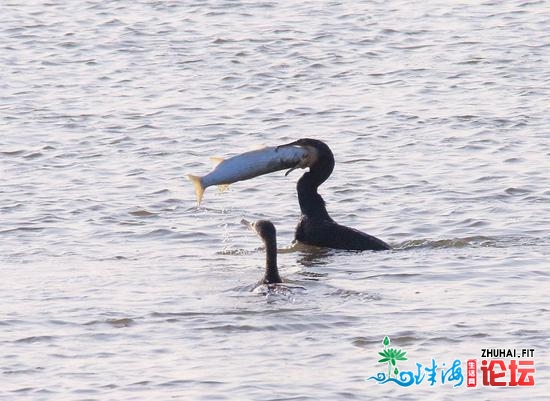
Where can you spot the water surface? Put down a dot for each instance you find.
(116, 286)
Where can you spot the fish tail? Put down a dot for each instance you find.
(199, 189)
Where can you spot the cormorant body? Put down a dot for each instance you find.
(316, 227)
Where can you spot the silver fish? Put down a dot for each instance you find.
(249, 165)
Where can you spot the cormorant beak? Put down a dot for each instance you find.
(290, 170)
(306, 162)
(248, 224)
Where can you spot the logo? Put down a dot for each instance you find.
(497, 368)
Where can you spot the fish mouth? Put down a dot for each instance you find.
(311, 154)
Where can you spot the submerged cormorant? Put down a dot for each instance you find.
(266, 230)
(316, 227)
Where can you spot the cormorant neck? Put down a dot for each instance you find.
(312, 204)
(271, 272)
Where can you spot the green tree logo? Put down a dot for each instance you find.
(391, 355)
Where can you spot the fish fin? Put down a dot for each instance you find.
(223, 187)
(199, 189)
(217, 160)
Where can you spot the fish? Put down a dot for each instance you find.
(250, 164)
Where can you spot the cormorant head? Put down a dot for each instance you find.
(320, 158)
(265, 229)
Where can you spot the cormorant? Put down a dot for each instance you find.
(266, 230)
(316, 227)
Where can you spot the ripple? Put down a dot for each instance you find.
(36, 339)
(476, 241)
(347, 294)
(114, 322)
(167, 233)
(23, 371)
(517, 191)
(119, 323)
(143, 213)
(293, 327)
(22, 229)
(12, 152)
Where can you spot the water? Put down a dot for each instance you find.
(116, 287)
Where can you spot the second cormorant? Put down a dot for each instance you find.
(316, 227)
(266, 231)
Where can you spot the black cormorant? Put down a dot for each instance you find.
(316, 227)
(266, 230)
